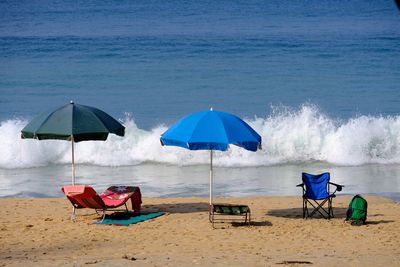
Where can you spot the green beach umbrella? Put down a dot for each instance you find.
(75, 123)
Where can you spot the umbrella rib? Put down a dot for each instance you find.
(196, 127)
(225, 131)
(247, 129)
(99, 118)
(45, 121)
(194, 130)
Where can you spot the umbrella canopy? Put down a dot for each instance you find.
(74, 123)
(211, 130)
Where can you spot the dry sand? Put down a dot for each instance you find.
(38, 232)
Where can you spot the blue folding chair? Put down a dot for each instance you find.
(317, 193)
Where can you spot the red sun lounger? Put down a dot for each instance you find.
(84, 196)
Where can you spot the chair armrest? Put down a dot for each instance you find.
(300, 185)
(339, 187)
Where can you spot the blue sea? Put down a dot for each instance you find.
(318, 80)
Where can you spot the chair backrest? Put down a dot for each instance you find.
(83, 196)
(316, 185)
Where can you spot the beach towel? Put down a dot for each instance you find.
(126, 219)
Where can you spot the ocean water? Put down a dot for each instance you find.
(319, 80)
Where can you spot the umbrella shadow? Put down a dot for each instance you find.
(379, 222)
(297, 213)
(235, 224)
(252, 223)
(373, 222)
(177, 207)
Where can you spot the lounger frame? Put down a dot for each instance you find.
(101, 212)
(221, 217)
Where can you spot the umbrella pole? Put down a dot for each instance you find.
(211, 175)
(73, 160)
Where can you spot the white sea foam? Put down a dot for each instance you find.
(289, 136)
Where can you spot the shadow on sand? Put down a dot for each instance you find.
(373, 222)
(177, 207)
(227, 224)
(297, 213)
(252, 223)
(378, 222)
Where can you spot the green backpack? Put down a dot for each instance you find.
(357, 211)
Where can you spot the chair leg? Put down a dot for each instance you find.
(326, 213)
(210, 214)
(319, 207)
(104, 215)
(330, 208)
(73, 214)
(306, 214)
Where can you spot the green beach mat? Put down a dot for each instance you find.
(126, 220)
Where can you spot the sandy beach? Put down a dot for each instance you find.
(39, 232)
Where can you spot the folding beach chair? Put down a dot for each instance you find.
(317, 193)
(84, 196)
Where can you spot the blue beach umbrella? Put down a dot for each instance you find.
(211, 130)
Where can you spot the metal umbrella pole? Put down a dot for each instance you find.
(73, 160)
(211, 175)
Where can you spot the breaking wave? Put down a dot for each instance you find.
(289, 136)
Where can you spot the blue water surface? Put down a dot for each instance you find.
(160, 60)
